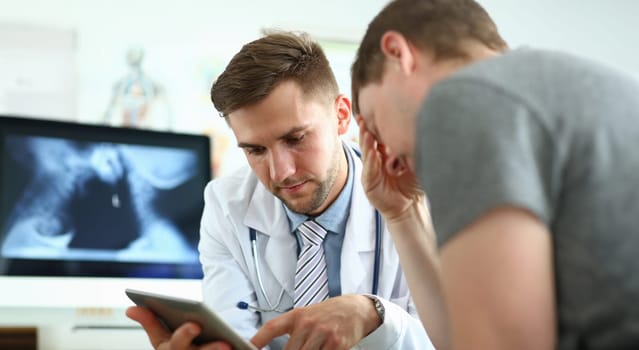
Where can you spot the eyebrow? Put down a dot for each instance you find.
(285, 136)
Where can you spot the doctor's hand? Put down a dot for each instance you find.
(162, 339)
(389, 182)
(337, 323)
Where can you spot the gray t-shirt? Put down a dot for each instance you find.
(558, 136)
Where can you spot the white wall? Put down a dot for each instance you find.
(603, 30)
(179, 35)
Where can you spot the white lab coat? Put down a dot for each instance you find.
(239, 201)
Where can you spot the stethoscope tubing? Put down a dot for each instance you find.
(274, 306)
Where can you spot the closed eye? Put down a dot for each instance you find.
(294, 140)
(254, 151)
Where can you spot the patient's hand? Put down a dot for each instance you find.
(390, 184)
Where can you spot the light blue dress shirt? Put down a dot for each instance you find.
(333, 220)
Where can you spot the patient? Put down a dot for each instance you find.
(529, 160)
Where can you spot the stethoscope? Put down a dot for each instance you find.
(274, 307)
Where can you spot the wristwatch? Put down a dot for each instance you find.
(379, 307)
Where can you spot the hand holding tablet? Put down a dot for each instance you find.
(174, 312)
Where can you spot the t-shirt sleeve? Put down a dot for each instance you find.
(479, 148)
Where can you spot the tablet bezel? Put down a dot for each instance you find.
(174, 312)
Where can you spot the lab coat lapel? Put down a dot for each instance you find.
(359, 238)
(267, 216)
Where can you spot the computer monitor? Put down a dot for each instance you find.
(100, 203)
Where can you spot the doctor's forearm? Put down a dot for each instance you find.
(416, 244)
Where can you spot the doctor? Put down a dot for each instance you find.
(280, 98)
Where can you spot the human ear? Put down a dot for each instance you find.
(397, 52)
(343, 111)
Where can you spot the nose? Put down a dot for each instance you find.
(281, 165)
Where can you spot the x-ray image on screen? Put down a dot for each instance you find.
(98, 201)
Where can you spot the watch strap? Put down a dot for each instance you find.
(379, 306)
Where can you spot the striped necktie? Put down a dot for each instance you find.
(311, 276)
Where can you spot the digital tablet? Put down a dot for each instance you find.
(173, 312)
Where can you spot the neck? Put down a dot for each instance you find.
(475, 51)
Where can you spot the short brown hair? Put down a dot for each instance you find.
(440, 26)
(264, 63)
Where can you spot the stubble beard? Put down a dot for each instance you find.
(319, 196)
